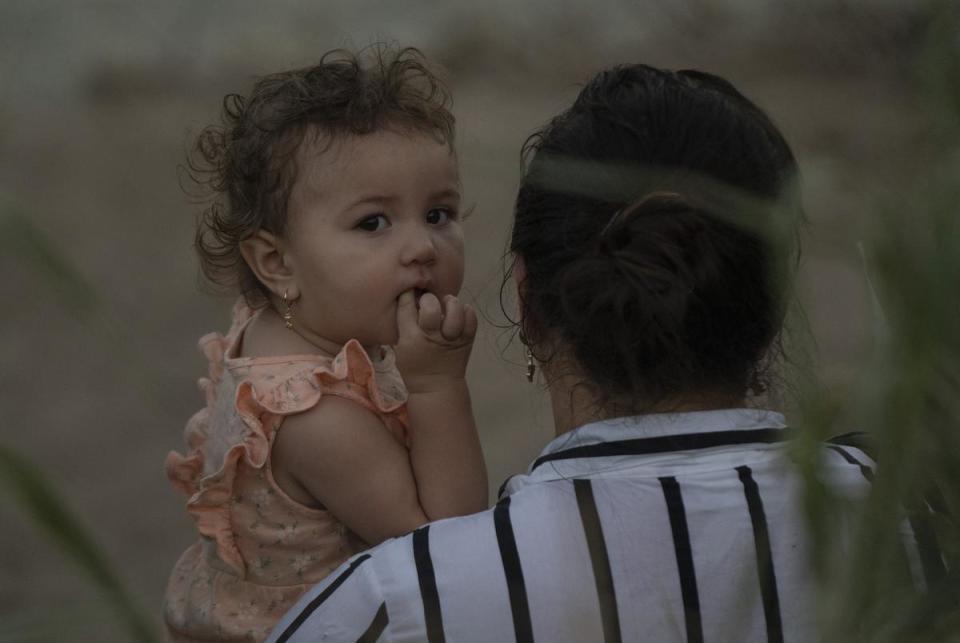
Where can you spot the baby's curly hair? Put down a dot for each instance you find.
(247, 162)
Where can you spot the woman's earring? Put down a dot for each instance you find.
(756, 386)
(287, 311)
(531, 365)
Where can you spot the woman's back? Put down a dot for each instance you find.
(679, 527)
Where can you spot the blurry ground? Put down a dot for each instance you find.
(99, 101)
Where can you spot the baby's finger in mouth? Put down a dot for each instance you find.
(431, 315)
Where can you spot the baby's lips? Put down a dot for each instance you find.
(418, 293)
(407, 297)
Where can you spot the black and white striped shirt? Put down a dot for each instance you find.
(672, 527)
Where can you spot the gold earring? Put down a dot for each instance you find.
(287, 311)
(528, 353)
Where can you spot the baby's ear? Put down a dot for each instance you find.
(264, 253)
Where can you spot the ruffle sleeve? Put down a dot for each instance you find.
(350, 374)
(244, 409)
(185, 471)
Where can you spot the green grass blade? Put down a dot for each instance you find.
(20, 237)
(42, 505)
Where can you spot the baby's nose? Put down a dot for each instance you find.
(419, 248)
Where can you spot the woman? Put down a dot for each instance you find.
(650, 270)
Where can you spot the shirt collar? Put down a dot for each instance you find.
(650, 434)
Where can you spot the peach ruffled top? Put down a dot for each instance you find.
(259, 550)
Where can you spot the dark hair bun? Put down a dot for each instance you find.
(638, 284)
(674, 293)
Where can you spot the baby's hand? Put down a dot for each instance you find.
(434, 341)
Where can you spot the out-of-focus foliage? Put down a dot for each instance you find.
(909, 400)
(22, 239)
(41, 504)
(30, 490)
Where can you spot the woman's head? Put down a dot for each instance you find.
(645, 227)
(250, 161)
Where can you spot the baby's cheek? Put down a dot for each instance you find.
(453, 274)
(452, 282)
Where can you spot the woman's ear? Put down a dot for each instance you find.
(519, 274)
(264, 252)
(520, 280)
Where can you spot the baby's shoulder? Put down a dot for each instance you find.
(333, 416)
(289, 385)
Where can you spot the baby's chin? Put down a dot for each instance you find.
(374, 341)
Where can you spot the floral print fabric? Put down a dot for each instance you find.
(259, 550)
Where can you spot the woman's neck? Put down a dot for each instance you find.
(575, 404)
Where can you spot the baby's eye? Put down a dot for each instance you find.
(373, 223)
(439, 216)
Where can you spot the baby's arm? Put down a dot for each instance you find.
(432, 355)
(340, 455)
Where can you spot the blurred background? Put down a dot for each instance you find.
(102, 303)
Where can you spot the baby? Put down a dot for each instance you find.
(337, 412)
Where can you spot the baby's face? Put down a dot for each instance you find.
(371, 217)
